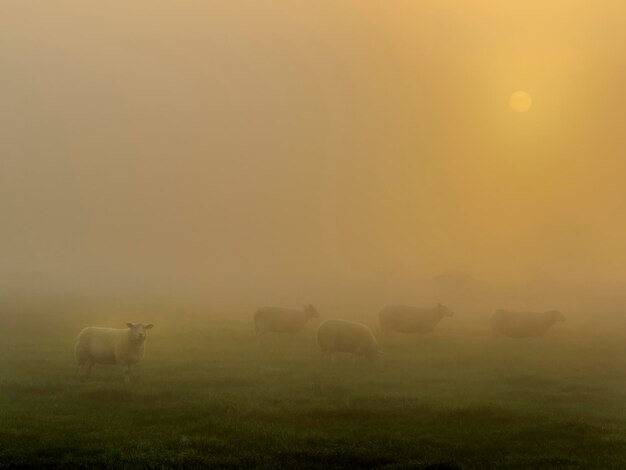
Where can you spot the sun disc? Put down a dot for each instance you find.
(520, 101)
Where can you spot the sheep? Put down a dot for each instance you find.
(406, 319)
(524, 324)
(347, 336)
(283, 320)
(96, 345)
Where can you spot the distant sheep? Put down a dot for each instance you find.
(404, 319)
(347, 336)
(283, 320)
(124, 347)
(524, 324)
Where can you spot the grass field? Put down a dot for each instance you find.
(207, 395)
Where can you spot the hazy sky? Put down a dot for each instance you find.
(208, 139)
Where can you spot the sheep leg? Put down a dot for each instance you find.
(79, 369)
(87, 368)
(259, 337)
(84, 369)
(323, 357)
(127, 373)
(81, 360)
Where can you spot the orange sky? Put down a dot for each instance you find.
(281, 138)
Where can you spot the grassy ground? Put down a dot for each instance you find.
(207, 395)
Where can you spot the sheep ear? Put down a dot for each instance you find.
(129, 325)
(149, 326)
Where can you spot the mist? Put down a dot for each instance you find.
(304, 151)
(313, 234)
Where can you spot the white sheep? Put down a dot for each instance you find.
(524, 324)
(347, 336)
(404, 319)
(283, 320)
(124, 347)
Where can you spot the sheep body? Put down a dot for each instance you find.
(347, 336)
(283, 320)
(124, 347)
(405, 319)
(517, 324)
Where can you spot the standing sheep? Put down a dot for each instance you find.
(110, 346)
(347, 336)
(524, 324)
(283, 320)
(404, 319)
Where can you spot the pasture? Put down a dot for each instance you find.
(207, 395)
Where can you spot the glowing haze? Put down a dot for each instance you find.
(240, 142)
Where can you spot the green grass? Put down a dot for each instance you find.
(208, 396)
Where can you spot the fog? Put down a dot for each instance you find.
(294, 152)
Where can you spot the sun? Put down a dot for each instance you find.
(520, 101)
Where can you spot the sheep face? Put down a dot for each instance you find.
(445, 311)
(311, 312)
(138, 331)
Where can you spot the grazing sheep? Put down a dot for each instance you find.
(524, 324)
(347, 336)
(404, 319)
(110, 346)
(283, 320)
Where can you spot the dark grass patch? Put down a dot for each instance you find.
(330, 390)
(530, 381)
(576, 430)
(420, 465)
(31, 388)
(226, 382)
(128, 395)
(582, 389)
(107, 395)
(490, 415)
(336, 458)
(348, 413)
